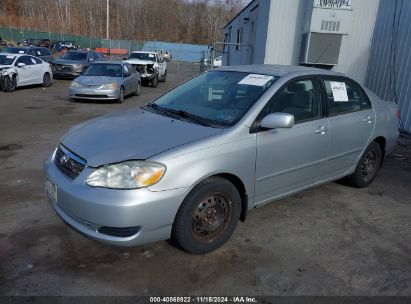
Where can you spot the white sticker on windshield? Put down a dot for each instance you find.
(10, 57)
(256, 80)
(339, 91)
(150, 55)
(21, 52)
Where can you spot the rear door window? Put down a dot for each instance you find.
(343, 96)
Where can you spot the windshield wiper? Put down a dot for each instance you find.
(160, 109)
(192, 117)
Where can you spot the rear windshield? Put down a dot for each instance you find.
(74, 56)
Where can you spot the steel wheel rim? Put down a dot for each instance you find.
(211, 217)
(369, 165)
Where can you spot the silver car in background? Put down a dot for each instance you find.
(110, 80)
(189, 165)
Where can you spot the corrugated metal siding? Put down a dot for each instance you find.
(355, 47)
(285, 27)
(389, 78)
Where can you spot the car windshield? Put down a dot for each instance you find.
(111, 70)
(142, 56)
(218, 97)
(14, 50)
(75, 56)
(7, 59)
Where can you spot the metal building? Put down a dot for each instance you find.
(368, 40)
(389, 66)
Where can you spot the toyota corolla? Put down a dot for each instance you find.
(188, 165)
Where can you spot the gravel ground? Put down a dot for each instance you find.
(332, 240)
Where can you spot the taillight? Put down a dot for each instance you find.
(398, 114)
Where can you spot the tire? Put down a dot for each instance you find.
(154, 82)
(138, 91)
(163, 79)
(207, 217)
(121, 96)
(367, 168)
(46, 80)
(10, 84)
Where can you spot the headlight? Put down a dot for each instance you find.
(109, 86)
(127, 175)
(75, 84)
(78, 67)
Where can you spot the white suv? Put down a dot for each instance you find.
(150, 65)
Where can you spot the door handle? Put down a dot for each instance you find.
(321, 130)
(368, 119)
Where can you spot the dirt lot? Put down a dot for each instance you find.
(332, 240)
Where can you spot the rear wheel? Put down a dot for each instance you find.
(46, 80)
(208, 216)
(10, 84)
(367, 168)
(121, 95)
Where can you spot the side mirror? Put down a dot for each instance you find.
(21, 64)
(125, 58)
(126, 75)
(277, 120)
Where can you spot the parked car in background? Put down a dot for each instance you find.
(110, 80)
(72, 63)
(218, 61)
(188, 165)
(18, 70)
(40, 52)
(150, 65)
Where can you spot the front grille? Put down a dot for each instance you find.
(119, 232)
(63, 67)
(92, 96)
(142, 69)
(69, 163)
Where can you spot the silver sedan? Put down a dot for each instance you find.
(189, 165)
(106, 81)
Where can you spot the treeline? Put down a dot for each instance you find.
(190, 21)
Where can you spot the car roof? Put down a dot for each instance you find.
(144, 52)
(276, 70)
(108, 62)
(15, 55)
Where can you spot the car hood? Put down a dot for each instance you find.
(5, 66)
(96, 80)
(68, 62)
(136, 134)
(138, 61)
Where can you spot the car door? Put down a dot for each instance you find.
(127, 80)
(25, 73)
(161, 66)
(134, 77)
(352, 120)
(293, 158)
(39, 68)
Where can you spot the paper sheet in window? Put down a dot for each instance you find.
(256, 80)
(339, 91)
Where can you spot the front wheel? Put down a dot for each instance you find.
(207, 217)
(138, 90)
(367, 167)
(10, 84)
(154, 82)
(121, 96)
(163, 79)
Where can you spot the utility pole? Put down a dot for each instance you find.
(108, 20)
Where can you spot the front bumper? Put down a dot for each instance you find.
(88, 209)
(65, 74)
(87, 93)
